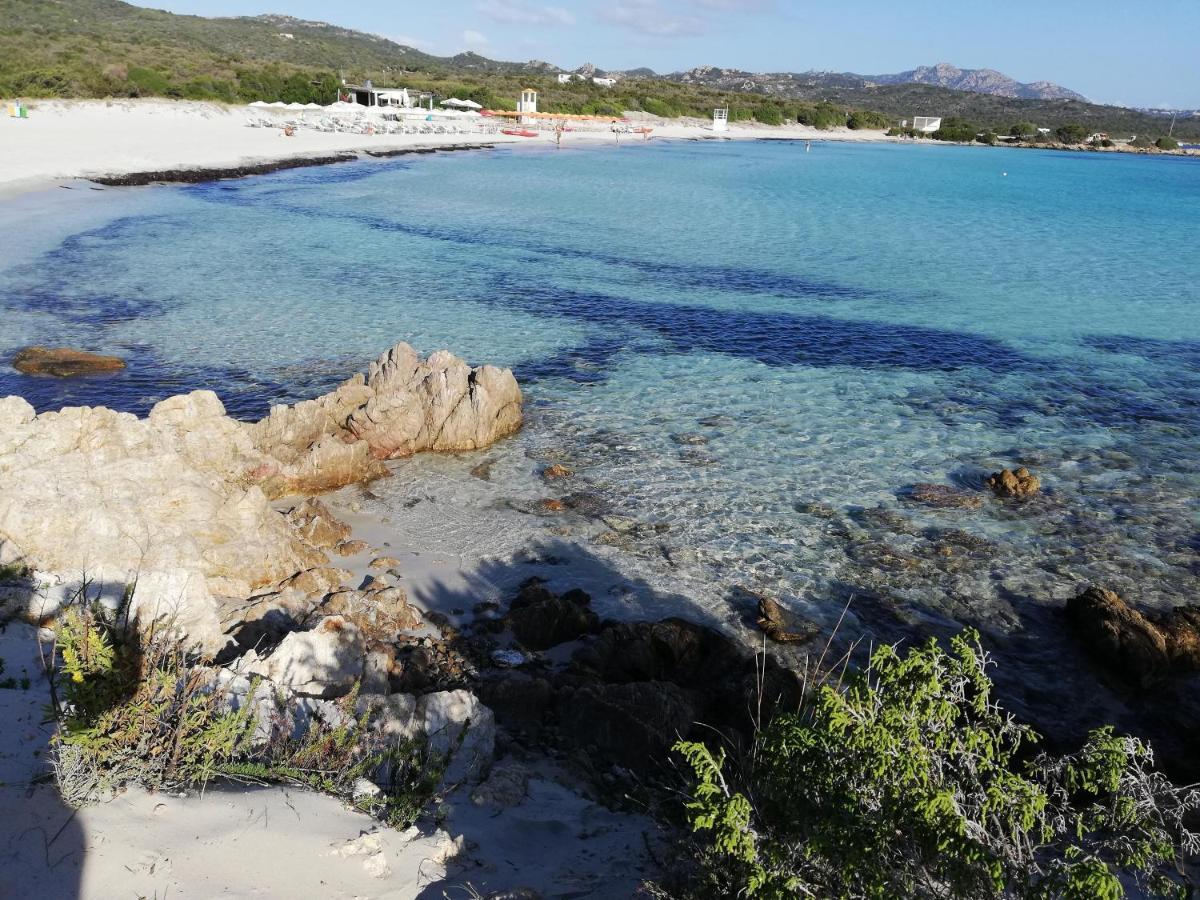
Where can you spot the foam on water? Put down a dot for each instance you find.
(746, 349)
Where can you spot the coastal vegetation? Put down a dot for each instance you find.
(107, 48)
(907, 779)
(136, 706)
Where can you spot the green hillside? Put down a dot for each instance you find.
(107, 48)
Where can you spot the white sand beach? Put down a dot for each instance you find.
(73, 139)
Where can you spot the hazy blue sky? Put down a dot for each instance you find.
(1135, 53)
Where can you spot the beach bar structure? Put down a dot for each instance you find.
(367, 94)
(721, 119)
(927, 124)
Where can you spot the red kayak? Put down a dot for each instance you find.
(519, 132)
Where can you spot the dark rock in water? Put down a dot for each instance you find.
(690, 439)
(1181, 630)
(885, 519)
(483, 471)
(633, 724)
(953, 537)
(541, 620)
(63, 362)
(1119, 636)
(550, 505)
(774, 624)
(694, 456)
(587, 503)
(1019, 484)
(814, 509)
(717, 421)
(558, 470)
(942, 496)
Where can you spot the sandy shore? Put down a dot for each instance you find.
(64, 140)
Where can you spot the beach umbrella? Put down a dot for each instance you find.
(312, 106)
(454, 101)
(469, 104)
(260, 103)
(278, 104)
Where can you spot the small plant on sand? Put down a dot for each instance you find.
(135, 707)
(908, 780)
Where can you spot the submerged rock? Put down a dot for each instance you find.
(942, 496)
(63, 362)
(1021, 483)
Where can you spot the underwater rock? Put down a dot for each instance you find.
(1021, 483)
(942, 496)
(63, 362)
(541, 620)
(558, 470)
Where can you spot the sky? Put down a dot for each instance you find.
(1143, 53)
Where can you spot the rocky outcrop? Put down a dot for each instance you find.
(178, 502)
(63, 362)
(1140, 648)
(1019, 484)
(404, 405)
(540, 619)
(774, 624)
(324, 662)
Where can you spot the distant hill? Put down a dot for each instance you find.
(101, 48)
(944, 75)
(978, 81)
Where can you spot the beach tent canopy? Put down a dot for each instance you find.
(470, 104)
(453, 101)
(278, 104)
(312, 106)
(260, 103)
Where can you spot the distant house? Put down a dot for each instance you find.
(605, 82)
(927, 124)
(1097, 138)
(285, 36)
(565, 77)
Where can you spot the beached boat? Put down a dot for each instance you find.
(518, 132)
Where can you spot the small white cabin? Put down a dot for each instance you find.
(927, 124)
(605, 82)
(721, 119)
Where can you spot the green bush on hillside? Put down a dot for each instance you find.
(989, 137)
(1141, 143)
(824, 116)
(1023, 130)
(908, 780)
(866, 119)
(1167, 143)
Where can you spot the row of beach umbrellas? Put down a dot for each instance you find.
(279, 104)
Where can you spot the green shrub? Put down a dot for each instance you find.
(660, 108)
(1167, 143)
(909, 781)
(149, 82)
(824, 115)
(768, 115)
(1071, 134)
(955, 129)
(1023, 130)
(1141, 143)
(989, 137)
(862, 118)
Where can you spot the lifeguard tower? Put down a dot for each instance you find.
(721, 119)
(527, 103)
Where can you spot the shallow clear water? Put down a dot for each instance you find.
(752, 347)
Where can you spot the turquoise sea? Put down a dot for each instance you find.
(748, 350)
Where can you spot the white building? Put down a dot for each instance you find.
(605, 82)
(565, 77)
(721, 119)
(927, 124)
